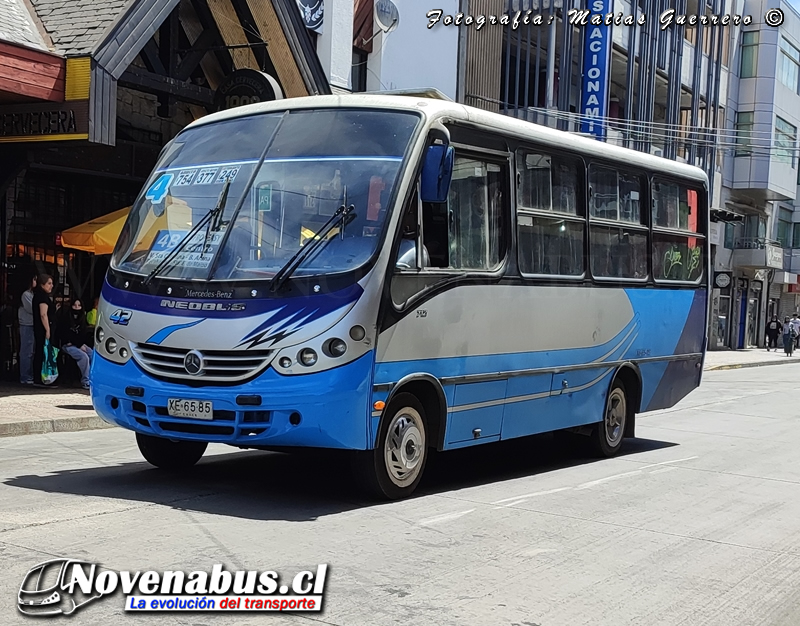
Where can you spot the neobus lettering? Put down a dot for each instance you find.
(202, 306)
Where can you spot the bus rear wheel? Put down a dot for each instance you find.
(393, 469)
(170, 455)
(608, 435)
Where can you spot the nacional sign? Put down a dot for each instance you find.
(246, 87)
(596, 61)
(44, 122)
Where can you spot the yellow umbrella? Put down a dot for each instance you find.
(98, 235)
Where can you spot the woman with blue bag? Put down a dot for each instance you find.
(44, 320)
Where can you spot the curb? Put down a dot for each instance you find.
(58, 425)
(736, 366)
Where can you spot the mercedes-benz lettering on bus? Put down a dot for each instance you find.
(392, 275)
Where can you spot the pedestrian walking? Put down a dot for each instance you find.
(44, 323)
(72, 333)
(788, 336)
(773, 331)
(26, 339)
(795, 322)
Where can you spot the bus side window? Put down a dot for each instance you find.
(475, 209)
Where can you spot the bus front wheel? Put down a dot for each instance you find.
(608, 434)
(393, 469)
(170, 455)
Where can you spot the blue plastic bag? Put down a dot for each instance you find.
(49, 365)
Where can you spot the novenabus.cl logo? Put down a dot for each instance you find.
(61, 586)
(49, 588)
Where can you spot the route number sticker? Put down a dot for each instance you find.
(185, 178)
(205, 176)
(158, 190)
(227, 173)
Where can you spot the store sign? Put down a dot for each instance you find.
(774, 256)
(312, 12)
(596, 61)
(246, 87)
(45, 122)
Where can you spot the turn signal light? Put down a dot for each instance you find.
(379, 405)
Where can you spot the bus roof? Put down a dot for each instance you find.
(503, 124)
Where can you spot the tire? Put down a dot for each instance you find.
(608, 435)
(393, 469)
(170, 455)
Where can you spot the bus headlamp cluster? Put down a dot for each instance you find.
(110, 345)
(334, 348)
(323, 353)
(307, 357)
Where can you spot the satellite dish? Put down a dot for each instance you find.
(387, 17)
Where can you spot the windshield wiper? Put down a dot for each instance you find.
(318, 240)
(214, 215)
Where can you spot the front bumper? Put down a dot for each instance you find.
(333, 406)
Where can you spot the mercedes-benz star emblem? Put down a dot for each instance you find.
(193, 363)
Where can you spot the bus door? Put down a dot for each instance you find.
(449, 263)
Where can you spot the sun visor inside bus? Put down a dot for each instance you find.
(436, 173)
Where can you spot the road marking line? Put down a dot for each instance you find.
(661, 470)
(532, 495)
(444, 518)
(600, 481)
(688, 458)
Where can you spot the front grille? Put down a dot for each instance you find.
(218, 365)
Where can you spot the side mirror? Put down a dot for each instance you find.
(437, 171)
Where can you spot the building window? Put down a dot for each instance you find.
(359, 74)
(789, 66)
(549, 224)
(784, 227)
(785, 140)
(795, 235)
(744, 132)
(726, 45)
(732, 233)
(749, 54)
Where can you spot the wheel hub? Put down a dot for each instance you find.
(405, 446)
(615, 417)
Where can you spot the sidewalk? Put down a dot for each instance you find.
(752, 357)
(26, 410)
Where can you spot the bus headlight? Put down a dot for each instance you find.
(335, 347)
(357, 333)
(111, 345)
(99, 335)
(285, 362)
(307, 357)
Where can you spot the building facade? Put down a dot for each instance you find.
(109, 84)
(757, 258)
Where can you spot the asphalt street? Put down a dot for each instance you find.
(697, 523)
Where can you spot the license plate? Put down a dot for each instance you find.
(195, 409)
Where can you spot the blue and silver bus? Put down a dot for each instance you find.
(395, 275)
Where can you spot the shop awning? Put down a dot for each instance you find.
(98, 235)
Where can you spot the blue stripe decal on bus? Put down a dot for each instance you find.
(162, 334)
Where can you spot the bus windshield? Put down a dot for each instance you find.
(274, 201)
